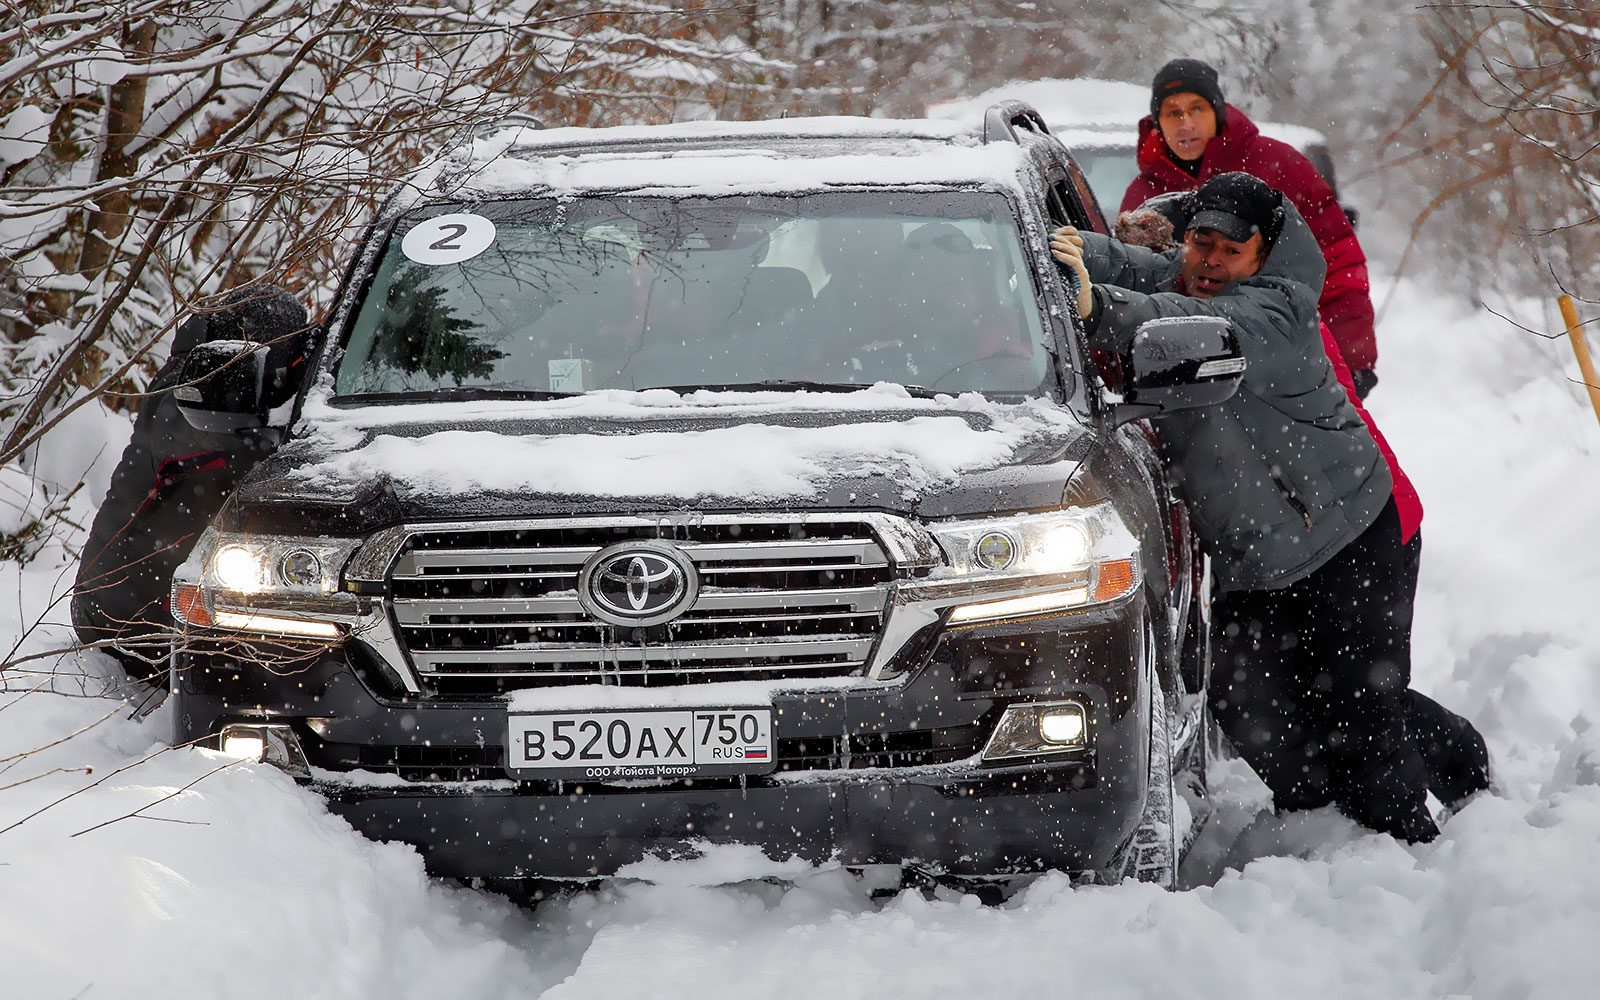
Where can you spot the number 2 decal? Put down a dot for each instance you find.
(448, 239)
(448, 242)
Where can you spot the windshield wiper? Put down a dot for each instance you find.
(453, 394)
(796, 385)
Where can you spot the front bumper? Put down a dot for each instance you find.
(867, 775)
(964, 824)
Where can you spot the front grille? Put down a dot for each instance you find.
(432, 764)
(486, 610)
(864, 750)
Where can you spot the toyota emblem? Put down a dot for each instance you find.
(638, 583)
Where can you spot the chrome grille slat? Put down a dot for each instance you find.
(547, 623)
(711, 571)
(861, 555)
(413, 611)
(674, 653)
(663, 676)
(414, 562)
(482, 603)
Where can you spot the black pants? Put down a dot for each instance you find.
(1311, 683)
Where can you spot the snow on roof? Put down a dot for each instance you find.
(749, 171)
(819, 126)
(804, 154)
(1063, 103)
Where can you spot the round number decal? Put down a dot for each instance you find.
(448, 239)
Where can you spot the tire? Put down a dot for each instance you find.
(1152, 853)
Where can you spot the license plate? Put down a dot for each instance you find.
(682, 743)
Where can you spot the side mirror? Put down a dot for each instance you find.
(1179, 363)
(221, 385)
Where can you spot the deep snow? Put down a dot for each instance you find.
(236, 883)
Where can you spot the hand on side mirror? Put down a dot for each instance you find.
(1179, 363)
(220, 386)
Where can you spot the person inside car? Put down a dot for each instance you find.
(1291, 497)
(1193, 135)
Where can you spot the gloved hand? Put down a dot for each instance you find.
(1364, 380)
(1067, 247)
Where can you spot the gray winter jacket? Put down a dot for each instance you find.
(1285, 474)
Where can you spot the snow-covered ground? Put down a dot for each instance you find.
(129, 871)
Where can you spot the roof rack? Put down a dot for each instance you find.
(470, 133)
(1001, 121)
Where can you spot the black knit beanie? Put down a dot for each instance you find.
(1187, 76)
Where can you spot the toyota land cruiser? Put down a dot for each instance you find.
(656, 487)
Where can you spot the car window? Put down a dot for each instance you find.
(1108, 170)
(1088, 197)
(634, 293)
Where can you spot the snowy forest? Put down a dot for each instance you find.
(157, 155)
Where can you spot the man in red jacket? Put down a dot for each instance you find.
(1193, 135)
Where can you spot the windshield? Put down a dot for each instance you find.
(540, 296)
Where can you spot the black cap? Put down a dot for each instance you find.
(1187, 76)
(1238, 206)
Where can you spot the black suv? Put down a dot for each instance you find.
(717, 482)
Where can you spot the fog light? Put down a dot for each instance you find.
(1062, 725)
(243, 743)
(1035, 728)
(274, 744)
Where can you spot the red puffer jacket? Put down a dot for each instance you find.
(1346, 304)
(1406, 499)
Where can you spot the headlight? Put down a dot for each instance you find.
(1031, 564)
(1063, 541)
(229, 579)
(264, 564)
(1034, 544)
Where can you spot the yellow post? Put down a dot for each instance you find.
(1569, 312)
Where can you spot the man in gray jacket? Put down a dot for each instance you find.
(1293, 501)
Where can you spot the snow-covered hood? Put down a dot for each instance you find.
(879, 449)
